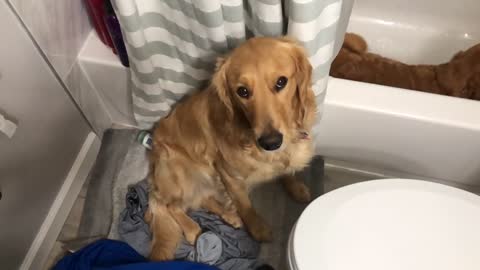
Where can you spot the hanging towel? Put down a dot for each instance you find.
(7, 127)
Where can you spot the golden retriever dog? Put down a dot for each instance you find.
(460, 77)
(249, 126)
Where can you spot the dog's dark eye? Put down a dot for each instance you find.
(281, 82)
(243, 92)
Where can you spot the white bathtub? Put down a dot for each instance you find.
(397, 131)
(369, 127)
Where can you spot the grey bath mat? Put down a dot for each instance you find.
(98, 211)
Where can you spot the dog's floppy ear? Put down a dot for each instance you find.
(219, 83)
(303, 77)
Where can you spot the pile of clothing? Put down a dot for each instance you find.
(220, 244)
(116, 255)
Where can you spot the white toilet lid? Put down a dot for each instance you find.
(393, 224)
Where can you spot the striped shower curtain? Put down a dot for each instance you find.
(172, 44)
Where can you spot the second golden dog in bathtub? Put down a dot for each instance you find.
(247, 127)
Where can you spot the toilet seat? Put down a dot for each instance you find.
(393, 224)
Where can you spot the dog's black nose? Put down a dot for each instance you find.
(271, 141)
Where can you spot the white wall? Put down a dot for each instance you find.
(60, 29)
(35, 162)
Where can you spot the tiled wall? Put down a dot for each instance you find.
(60, 27)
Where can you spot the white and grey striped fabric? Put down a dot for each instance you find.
(172, 44)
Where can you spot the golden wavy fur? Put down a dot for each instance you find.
(249, 126)
(460, 77)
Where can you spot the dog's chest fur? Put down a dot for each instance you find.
(255, 167)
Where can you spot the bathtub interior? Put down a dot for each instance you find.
(419, 32)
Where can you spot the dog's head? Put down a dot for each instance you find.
(459, 76)
(267, 82)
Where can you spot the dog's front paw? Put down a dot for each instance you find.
(297, 189)
(233, 219)
(192, 234)
(300, 193)
(259, 229)
(161, 253)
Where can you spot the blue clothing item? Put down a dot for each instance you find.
(115, 255)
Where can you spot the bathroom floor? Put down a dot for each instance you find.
(287, 211)
(69, 230)
(117, 160)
